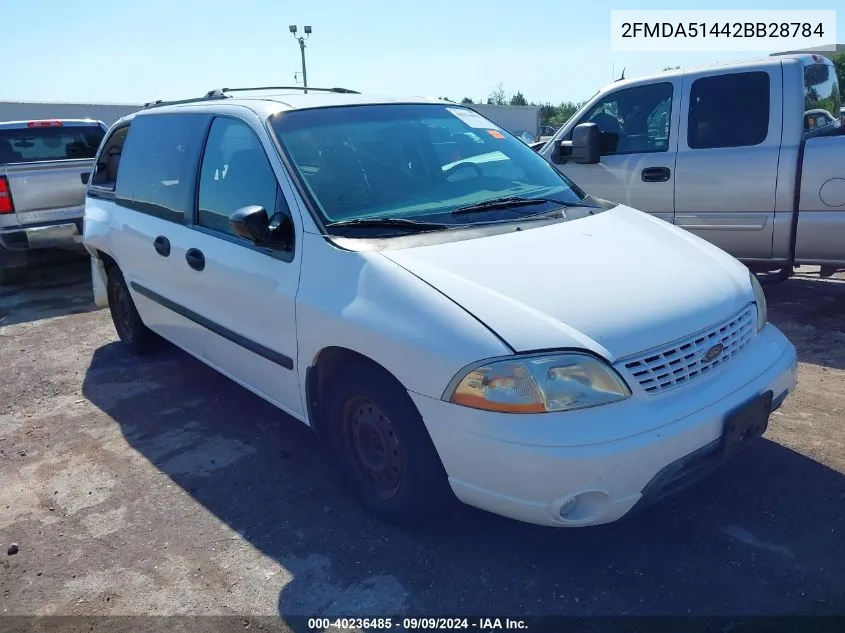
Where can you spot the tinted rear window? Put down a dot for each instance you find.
(49, 143)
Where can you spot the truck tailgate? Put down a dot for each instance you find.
(47, 191)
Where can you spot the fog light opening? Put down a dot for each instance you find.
(567, 507)
(583, 507)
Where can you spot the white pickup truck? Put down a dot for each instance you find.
(726, 152)
(43, 170)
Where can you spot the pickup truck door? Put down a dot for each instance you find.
(727, 162)
(639, 141)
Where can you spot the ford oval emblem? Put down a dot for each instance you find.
(713, 353)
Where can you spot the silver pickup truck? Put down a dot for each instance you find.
(43, 166)
(735, 153)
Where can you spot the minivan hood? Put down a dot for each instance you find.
(617, 283)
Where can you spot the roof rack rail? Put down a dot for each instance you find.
(162, 102)
(221, 92)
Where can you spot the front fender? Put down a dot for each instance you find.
(368, 304)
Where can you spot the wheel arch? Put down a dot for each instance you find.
(325, 368)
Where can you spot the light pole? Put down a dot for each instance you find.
(301, 40)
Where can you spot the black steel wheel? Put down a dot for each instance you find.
(383, 448)
(127, 322)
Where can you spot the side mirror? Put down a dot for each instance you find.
(85, 177)
(586, 144)
(252, 223)
(584, 148)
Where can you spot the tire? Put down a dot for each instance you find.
(11, 276)
(383, 450)
(127, 322)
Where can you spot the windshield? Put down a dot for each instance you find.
(410, 161)
(31, 144)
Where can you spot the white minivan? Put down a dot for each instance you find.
(449, 313)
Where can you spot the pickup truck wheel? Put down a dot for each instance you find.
(383, 449)
(776, 276)
(131, 330)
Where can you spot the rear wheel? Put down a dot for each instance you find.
(131, 330)
(382, 446)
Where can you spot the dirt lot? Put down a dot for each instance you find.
(160, 487)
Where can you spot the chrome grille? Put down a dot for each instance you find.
(665, 368)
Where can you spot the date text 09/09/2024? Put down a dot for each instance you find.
(725, 29)
(413, 624)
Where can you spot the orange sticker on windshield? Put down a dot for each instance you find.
(495, 134)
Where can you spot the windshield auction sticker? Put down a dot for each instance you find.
(473, 119)
(698, 31)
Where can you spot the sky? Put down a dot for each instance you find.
(134, 51)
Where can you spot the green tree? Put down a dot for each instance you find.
(839, 63)
(518, 99)
(547, 112)
(564, 112)
(665, 68)
(467, 100)
(446, 99)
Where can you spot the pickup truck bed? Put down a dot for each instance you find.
(41, 189)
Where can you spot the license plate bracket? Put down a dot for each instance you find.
(746, 423)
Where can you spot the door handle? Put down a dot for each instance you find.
(195, 259)
(162, 246)
(656, 174)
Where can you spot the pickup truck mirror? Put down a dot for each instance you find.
(85, 176)
(253, 223)
(584, 148)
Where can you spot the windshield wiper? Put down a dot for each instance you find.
(388, 223)
(508, 202)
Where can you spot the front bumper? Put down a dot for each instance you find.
(598, 463)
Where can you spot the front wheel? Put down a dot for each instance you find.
(383, 448)
(127, 322)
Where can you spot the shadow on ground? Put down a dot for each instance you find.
(812, 314)
(56, 286)
(764, 535)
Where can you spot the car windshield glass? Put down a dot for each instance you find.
(31, 144)
(414, 161)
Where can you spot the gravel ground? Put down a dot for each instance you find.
(159, 487)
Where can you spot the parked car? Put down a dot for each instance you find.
(524, 136)
(449, 313)
(726, 153)
(42, 195)
(819, 119)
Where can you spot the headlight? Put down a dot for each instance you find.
(760, 300)
(537, 384)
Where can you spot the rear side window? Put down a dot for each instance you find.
(729, 111)
(108, 162)
(63, 142)
(159, 163)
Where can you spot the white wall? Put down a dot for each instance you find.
(511, 118)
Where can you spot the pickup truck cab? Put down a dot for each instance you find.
(42, 193)
(447, 311)
(735, 153)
